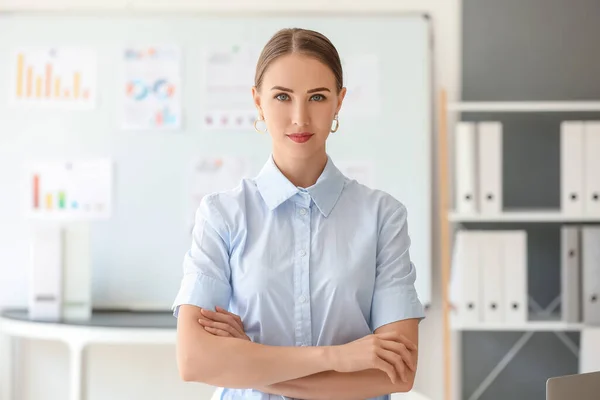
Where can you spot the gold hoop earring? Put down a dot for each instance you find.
(337, 124)
(258, 130)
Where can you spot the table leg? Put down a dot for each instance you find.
(6, 367)
(77, 383)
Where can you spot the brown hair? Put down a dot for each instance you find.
(303, 41)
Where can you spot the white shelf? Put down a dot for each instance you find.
(525, 106)
(522, 216)
(549, 326)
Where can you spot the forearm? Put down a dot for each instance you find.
(331, 385)
(236, 363)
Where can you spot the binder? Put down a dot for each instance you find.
(490, 167)
(591, 183)
(514, 248)
(465, 168)
(589, 353)
(45, 290)
(571, 167)
(570, 275)
(591, 274)
(465, 290)
(491, 267)
(77, 279)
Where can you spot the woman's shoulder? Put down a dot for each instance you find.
(231, 200)
(382, 201)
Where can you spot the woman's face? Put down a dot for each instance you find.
(298, 100)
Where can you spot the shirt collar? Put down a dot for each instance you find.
(275, 188)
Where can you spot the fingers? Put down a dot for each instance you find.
(394, 360)
(234, 316)
(217, 332)
(224, 318)
(396, 337)
(221, 326)
(387, 368)
(400, 349)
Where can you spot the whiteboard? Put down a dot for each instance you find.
(138, 252)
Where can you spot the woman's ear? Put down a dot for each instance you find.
(341, 97)
(256, 98)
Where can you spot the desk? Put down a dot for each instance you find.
(104, 327)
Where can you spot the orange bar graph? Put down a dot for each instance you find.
(48, 80)
(36, 191)
(38, 87)
(76, 84)
(20, 74)
(57, 87)
(29, 81)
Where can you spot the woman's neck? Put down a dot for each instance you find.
(302, 172)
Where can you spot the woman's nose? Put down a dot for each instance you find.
(300, 117)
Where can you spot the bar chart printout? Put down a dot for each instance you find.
(54, 78)
(65, 190)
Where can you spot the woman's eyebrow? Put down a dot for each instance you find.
(284, 89)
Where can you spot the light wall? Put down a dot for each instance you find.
(146, 372)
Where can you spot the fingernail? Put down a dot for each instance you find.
(201, 322)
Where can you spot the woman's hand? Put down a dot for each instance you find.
(389, 352)
(223, 323)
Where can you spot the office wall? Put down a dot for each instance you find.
(149, 373)
(534, 50)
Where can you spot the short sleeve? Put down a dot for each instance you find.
(206, 272)
(395, 297)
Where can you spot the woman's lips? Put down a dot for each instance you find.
(300, 137)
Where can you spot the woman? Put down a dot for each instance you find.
(315, 265)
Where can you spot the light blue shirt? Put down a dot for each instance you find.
(319, 266)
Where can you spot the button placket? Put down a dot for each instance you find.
(301, 271)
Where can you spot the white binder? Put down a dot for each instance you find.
(591, 183)
(589, 355)
(489, 140)
(77, 269)
(465, 291)
(45, 289)
(571, 167)
(465, 168)
(591, 274)
(570, 275)
(492, 275)
(514, 248)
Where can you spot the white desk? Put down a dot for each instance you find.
(108, 327)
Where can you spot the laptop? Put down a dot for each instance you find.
(574, 387)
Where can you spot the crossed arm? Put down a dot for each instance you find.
(365, 384)
(294, 372)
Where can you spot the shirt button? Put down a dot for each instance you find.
(302, 253)
(302, 299)
(303, 211)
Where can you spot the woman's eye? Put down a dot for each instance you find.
(318, 97)
(282, 97)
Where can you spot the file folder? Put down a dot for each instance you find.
(514, 247)
(465, 291)
(490, 166)
(465, 168)
(492, 260)
(591, 274)
(570, 275)
(591, 183)
(571, 167)
(45, 290)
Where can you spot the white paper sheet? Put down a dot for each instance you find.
(54, 77)
(227, 88)
(152, 88)
(68, 190)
